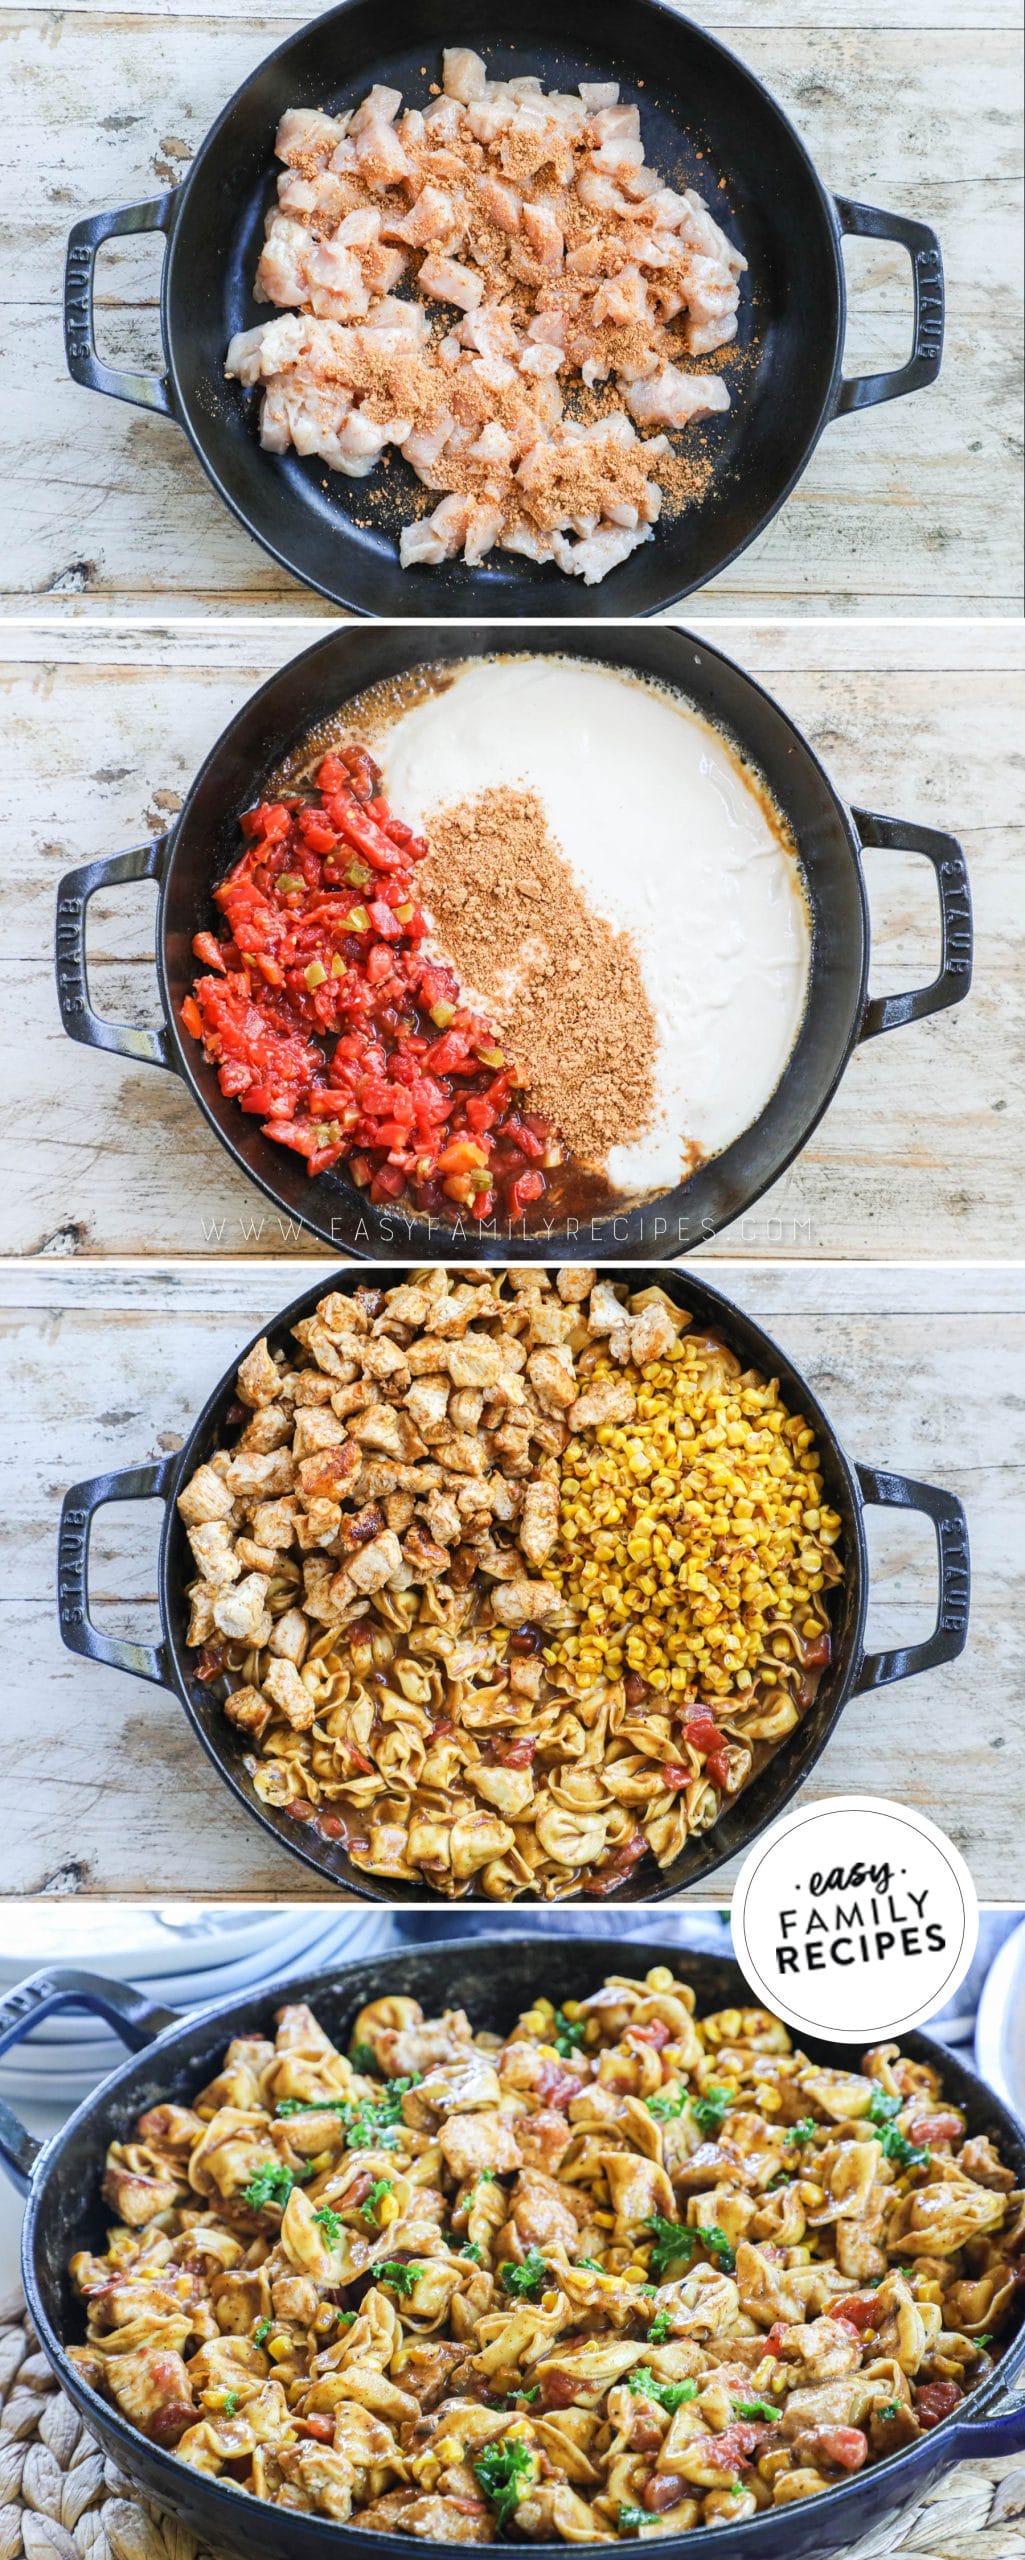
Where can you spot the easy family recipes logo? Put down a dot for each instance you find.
(855, 1915)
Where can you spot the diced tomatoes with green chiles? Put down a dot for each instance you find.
(325, 1016)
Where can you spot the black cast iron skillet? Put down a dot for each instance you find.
(494, 1979)
(849, 1489)
(704, 118)
(204, 843)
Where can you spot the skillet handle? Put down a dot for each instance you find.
(130, 1484)
(950, 1634)
(146, 390)
(866, 222)
(900, 835)
(135, 2019)
(149, 1047)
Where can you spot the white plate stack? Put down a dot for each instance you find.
(182, 1954)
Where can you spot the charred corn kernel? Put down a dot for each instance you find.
(724, 1541)
(534, 2024)
(605, 2221)
(549, 2301)
(279, 2347)
(517, 2428)
(448, 2449)
(387, 2211)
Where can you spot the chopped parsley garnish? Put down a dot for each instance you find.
(783, 2178)
(381, 2187)
(719, 2248)
(485, 2177)
(369, 2122)
(803, 2132)
(363, 2058)
(503, 2471)
(471, 2249)
(659, 2330)
(527, 2280)
(592, 2263)
(708, 2112)
(569, 2035)
(633, 2519)
(397, 2273)
(986, 2339)
(261, 2331)
(669, 2240)
(756, 2409)
(882, 2109)
(229, 2406)
(330, 2224)
(273, 2182)
(311, 2107)
(532, 2394)
(908, 2155)
(892, 2409)
(670, 2395)
(665, 2104)
(675, 2240)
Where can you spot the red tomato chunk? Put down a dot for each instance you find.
(325, 1017)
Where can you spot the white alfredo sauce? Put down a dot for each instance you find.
(669, 837)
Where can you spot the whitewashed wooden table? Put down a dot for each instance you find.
(921, 1152)
(104, 1788)
(908, 104)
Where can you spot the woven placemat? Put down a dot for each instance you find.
(62, 2499)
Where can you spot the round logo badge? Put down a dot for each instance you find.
(854, 1919)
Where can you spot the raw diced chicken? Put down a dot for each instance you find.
(592, 559)
(305, 134)
(446, 281)
(380, 106)
(501, 202)
(463, 74)
(281, 276)
(673, 399)
(380, 155)
(468, 199)
(543, 236)
(433, 220)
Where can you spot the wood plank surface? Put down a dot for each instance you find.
(104, 1789)
(909, 104)
(921, 1152)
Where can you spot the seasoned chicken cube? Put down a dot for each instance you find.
(290, 1637)
(371, 1567)
(427, 1402)
(525, 1603)
(475, 1361)
(605, 1311)
(608, 1400)
(258, 1380)
(211, 1544)
(574, 1281)
(241, 1614)
(282, 1683)
(470, 2143)
(206, 1497)
(551, 1375)
(250, 1711)
(539, 1520)
(652, 1333)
